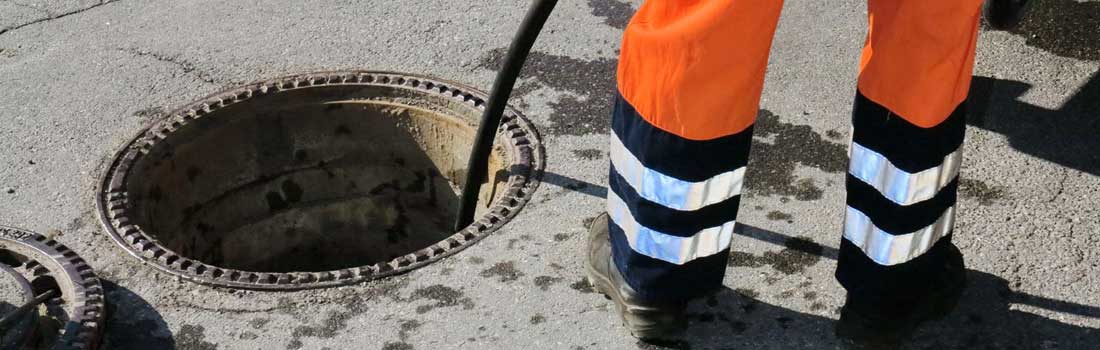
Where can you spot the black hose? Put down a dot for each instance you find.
(477, 168)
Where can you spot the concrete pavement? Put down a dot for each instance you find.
(78, 78)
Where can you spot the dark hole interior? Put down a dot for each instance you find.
(312, 179)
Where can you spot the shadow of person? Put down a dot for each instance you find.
(992, 316)
(1066, 136)
(988, 317)
(132, 323)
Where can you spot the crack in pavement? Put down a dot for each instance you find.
(184, 65)
(1061, 185)
(53, 16)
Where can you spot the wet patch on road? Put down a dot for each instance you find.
(192, 337)
(544, 282)
(798, 254)
(506, 271)
(407, 328)
(397, 346)
(772, 164)
(443, 296)
(980, 191)
(259, 323)
(1066, 28)
(335, 322)
(811, 295)
(536, 319)
(588, 154)
(582, 286)
(615, 13)
(590, 88)
(776, 215)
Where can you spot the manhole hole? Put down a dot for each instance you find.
(69, 314)
(312, 180)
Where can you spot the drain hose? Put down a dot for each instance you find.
(498, 99)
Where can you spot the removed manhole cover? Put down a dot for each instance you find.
(312, 180)
(70, 314)
(16, 328)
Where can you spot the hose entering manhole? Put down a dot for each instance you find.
(50, 297)
(313, 180)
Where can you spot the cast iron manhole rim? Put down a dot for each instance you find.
(81, 290)
(113, 209)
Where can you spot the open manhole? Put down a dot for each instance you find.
(313, 180)
(57, 301)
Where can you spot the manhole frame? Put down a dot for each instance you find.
(81, 290)
(112, 208)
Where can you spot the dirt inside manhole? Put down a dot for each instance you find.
(359, 177)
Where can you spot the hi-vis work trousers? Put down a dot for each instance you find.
(690, 77)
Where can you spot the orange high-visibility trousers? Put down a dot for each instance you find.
(690, 77)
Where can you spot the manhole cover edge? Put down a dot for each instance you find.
(525, 147)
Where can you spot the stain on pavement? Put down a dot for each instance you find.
(980, 191)
(615, 13)
(772, 164)
(798, 254)
(506, 271)
(589, 88)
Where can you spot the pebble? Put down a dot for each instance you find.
(9, 190)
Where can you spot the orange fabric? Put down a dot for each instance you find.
(919, 56)
(695, 68)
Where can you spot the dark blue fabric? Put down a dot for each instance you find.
(671, 221)
(684, 159)
(672, 155)
(660, 281)
(909, 147)
(895, 218)
(912, 149)
(865, 279)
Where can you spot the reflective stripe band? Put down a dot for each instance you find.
(899, 186)
(662, 246)
(669, 191)
(888, 249)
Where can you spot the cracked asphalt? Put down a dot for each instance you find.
(79, 78)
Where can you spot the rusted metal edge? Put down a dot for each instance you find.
(81, 290)
(523, 144)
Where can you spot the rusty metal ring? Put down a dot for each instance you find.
(517, 135)
(81, 292)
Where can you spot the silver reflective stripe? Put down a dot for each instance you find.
(669, 191)
(662, 246)
(899, 186)
(888, 249)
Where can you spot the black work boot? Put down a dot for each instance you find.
(886, 322)
(644, 320)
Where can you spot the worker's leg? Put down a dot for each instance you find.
(908, 127)
(690, 76)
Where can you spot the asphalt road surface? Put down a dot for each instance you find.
(78, 78)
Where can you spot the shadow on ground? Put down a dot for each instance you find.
(987, 318)
(989, 315)
(132, 323)
(1066, 136)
